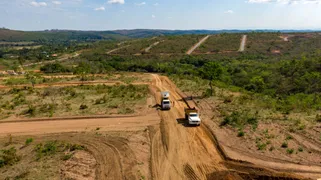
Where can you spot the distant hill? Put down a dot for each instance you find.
(72, 35)
(58, 35)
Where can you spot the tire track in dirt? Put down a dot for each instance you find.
(114, 157)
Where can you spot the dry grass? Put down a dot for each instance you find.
(237, 110)
(30, 166)
(72, 101)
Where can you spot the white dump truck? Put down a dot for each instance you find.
(165, 103)
(192, 117)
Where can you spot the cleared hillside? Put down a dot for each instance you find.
(221, 43)
(177, 44)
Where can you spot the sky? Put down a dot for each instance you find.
(160, 14)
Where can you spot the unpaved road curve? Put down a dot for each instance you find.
(190, 51)
(243, 43)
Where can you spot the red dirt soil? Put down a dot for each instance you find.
(177, 151)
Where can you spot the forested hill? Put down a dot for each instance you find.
(71, 35)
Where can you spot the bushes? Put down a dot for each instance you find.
(28, 141)
(54, 68)
(46, 149)
(31, 110)
(9, 157)
(83, 107)
(48, 108)
(240, 119)
(284, 145)
(126, 111)
(290, 151)
(52, 147)
(240, 134)
(318, 118)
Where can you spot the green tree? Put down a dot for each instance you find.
(257, 84)
(211, 71)
(32, 77)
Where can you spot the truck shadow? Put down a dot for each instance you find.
(157, 106)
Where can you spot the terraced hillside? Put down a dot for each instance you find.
(221, 43)
(137, 47)
(267, 43)
(176, 44)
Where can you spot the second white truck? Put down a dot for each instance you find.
(192, 117)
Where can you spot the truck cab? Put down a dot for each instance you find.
(192, 117)
(165, 102)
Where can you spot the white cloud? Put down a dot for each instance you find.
(156, 4)
(285, 1)
(153, 16)
(229, 12)
(141, 4)
(38, 4)
(116, 2)
(56, 2)
(100, 9)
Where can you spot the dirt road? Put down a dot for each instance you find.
(79, 125)
(190, 51)
(111, 51)
(151, 46)
(74, 83)
(180, 152)
(64, 58)
(177, 151)
(243, 43)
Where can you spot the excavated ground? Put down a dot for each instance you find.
(161, 147)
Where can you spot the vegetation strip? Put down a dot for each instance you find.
(67, 118)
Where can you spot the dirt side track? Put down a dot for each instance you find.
(177, 151)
